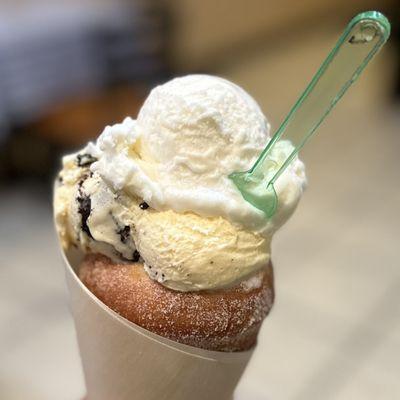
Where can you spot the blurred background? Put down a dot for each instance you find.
(68, 68)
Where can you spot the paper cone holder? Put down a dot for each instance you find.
(123, 361)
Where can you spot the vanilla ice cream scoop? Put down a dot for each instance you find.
(158, 187)
(190, 134)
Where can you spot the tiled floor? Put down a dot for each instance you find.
(38, 353)
(335, 330)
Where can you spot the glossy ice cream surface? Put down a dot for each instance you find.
(158, 188)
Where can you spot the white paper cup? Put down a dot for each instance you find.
(123, 361)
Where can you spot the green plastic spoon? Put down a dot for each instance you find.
(362, 39)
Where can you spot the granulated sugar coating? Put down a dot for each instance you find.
(222, 320)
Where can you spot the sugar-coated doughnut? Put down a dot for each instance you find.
(221, 320)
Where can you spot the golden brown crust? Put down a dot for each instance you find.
(222, 320)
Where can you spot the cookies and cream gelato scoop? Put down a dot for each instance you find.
(157, 188)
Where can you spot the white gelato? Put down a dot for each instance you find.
(190, 134)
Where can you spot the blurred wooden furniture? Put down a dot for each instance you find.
(75, 122)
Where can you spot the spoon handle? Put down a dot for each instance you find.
(362, 39)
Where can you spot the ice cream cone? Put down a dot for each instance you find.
(122, 361)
